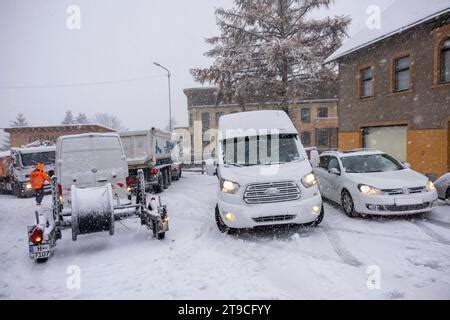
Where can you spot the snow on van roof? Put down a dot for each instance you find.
(110, 134)
(245, 122)
(34, 149)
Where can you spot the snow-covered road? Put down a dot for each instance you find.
(196, 261)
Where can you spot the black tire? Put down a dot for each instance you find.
(165, 179)
(41, 260)
(447, 194)
(161, 236)
(348, 205)
(159, 187)
(179, 174)
(222, 226)
(319, 219)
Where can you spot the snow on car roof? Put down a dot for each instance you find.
(400, 16)
(352, 153)
(243, 123)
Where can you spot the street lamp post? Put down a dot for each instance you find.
(170, 99)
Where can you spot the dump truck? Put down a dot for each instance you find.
(150, 151)
(17, 164)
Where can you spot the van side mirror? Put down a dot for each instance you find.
(407, 165)
(211, 167)
(314, 158)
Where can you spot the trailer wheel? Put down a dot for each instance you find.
(165, 179)
(41, 260)
(161, 236)
(159, 188)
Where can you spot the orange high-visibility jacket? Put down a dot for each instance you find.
(38, 178)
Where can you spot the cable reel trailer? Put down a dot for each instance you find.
(90, 191)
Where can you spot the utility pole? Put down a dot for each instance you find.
(170, 98)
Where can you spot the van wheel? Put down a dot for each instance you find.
(447, 194)
(222, 226)
(348, 205)
(319, 219)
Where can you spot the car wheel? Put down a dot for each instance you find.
(222, 226)
(348, 205)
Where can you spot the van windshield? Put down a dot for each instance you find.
(32, 159)
(261, 150)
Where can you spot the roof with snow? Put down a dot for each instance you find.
(58, 127)
(400, 16)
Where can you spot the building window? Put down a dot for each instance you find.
(191, 120)
(402, 74)
(367, 82)
(306, 138)
(218, 115)
(445, 62)
(205, 121)
(322, 112)
(323, 137)
(306, 115)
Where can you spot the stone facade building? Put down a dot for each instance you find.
(21, 136)
(315, 116)
(394, 89)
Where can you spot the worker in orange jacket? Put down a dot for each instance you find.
(37, 181)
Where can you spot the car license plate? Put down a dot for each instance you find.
(41, 251)
(408, 201)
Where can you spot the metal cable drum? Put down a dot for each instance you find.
(92, 210)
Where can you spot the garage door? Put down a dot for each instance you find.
(392, 140)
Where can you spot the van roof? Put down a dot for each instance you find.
(89, 135)
(34, 149)
(243, 123)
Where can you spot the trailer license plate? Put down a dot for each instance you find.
(38, 252)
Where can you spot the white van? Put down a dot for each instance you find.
(264, 174)
(92, 160)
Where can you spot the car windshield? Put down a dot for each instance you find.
(370, 163)
(261, 150)
(31, 159)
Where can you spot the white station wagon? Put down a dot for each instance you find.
(370, 182)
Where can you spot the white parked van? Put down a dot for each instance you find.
(91, 160)
(264, 174)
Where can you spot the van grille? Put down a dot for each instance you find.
(271, 192)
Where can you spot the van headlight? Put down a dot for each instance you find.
(229, 186)
(430, 186)
(309, 180)
(371, 191)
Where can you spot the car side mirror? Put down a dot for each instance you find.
(407, 165)
(211, 167)
(334, 171)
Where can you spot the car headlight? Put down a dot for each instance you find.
(430, 186)
(229, 186)
(309, 180)
(369, 190)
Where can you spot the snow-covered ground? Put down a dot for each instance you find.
(196, 261)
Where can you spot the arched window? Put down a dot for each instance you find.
(445, 61)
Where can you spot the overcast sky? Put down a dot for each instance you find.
(107, 65)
